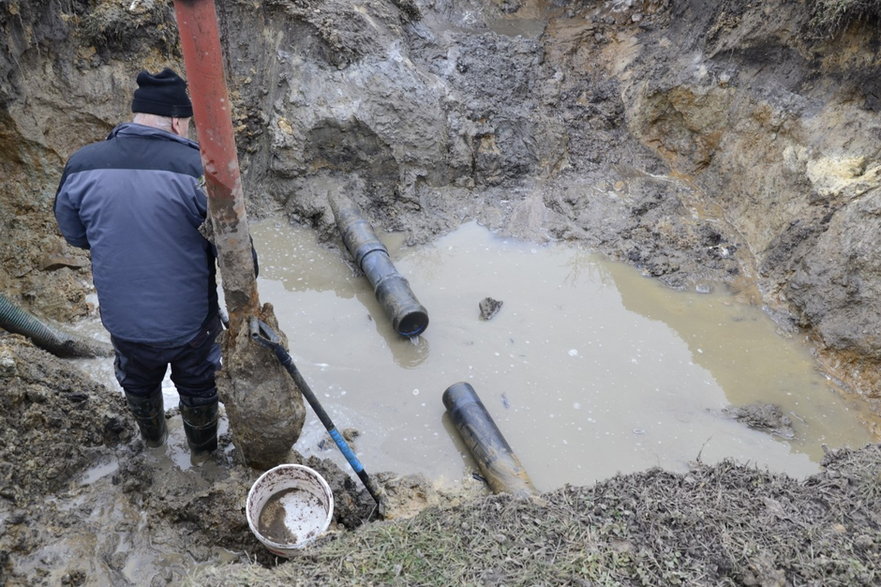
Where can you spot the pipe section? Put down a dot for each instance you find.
(497, 462)
(62, 344)
(212, 111)
(392, 290)
(264, 407)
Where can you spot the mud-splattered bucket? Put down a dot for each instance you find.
(288, 507)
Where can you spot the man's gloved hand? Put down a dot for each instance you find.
(206, 229)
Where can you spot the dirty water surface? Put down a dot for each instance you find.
(587, 367)
(289, 516)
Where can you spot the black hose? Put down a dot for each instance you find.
(62, 344)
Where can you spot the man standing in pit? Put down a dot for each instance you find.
(136, 201)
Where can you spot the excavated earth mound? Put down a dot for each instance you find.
(723, 525)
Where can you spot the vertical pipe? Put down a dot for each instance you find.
(265, 409)
(200, 44)
(497, 462)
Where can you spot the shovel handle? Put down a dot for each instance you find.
(263, 334)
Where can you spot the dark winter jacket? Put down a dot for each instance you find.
(136, 201)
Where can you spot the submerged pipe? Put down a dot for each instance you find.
(392, 290)
(62, 344)
(499, 465)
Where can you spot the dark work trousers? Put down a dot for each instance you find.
(140, 368)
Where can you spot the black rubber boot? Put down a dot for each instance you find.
(200, 426)
(149, 413)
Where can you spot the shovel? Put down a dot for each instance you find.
(265, 336)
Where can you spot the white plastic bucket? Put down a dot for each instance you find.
(288, 507)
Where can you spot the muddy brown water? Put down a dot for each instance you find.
(588, 368)
(291, 516)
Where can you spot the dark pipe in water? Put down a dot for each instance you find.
(497, 462)
(392, 291)
(62, 344)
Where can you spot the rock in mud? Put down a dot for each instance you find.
(489, 307)
(265, 407)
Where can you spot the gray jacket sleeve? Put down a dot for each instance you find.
(68, 217)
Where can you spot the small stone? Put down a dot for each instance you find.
(489, 308)
(17, 517)
(7, 364)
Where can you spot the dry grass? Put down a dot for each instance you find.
(830, 17)
(722, 525)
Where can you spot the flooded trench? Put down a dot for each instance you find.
(588, 369)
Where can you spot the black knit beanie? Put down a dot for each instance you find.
(164, 94)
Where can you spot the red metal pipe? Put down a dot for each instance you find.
(265, 409)
(200, 43)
